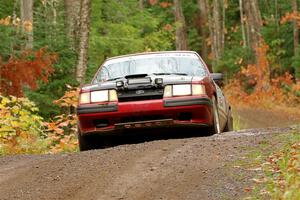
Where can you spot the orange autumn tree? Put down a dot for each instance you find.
(290, 17)
(62, 129)
(254, 86)
(25, 70)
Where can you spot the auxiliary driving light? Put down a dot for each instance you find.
(120, 83)
(159, 81)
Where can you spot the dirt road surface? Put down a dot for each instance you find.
(156, 167)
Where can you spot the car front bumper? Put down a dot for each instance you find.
(171, 112)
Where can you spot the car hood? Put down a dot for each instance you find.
(167, 80)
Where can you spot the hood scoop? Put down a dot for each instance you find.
(136, 76)
(137, 79)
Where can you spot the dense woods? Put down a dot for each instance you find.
(50, 46)
(82, 33)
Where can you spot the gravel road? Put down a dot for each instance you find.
(161, 167)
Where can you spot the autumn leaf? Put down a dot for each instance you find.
(153, 2)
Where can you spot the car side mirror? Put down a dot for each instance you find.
(218, 78)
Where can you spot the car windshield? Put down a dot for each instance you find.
(160, 64)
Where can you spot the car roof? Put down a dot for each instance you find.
(149, 53)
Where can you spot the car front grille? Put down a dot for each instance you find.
(140, 95)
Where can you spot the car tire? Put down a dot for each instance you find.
(215, 128)
(84, 142)
(229, 123)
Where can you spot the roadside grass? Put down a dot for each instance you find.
(282, 171)
(237, 123)
(270, 169)
(278, 167)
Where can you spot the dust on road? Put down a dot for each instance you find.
(158, 168)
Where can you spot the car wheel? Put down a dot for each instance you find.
(84, 142)
(215, 128)
(229, 123)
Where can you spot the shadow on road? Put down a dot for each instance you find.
(141, 136)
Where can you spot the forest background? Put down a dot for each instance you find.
(50, 47)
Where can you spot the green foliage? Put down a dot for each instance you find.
(7, 33)
(120, 27)
(52, 33)
(49, 31)
(6, 8)
(194, 39)
(233, 59)
(296, 65)
(280, 41)
(21, 128)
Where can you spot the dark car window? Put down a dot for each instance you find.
(151, 64)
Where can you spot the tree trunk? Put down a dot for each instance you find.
(253, 21)
(224, 7)
(243, 24)
(72, 17)
(181, 32)
(16, 31)
(14, 14)
(54, 12)
(53, 17)
(141, 4)
(27, 21)
(217, 27)
(296, 28)
(216, 23)
(85, 12)
(203, 28)
(211, 30)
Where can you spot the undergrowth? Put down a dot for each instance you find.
(237, 123)
(282, 171)
(277, 167)
(22, 130)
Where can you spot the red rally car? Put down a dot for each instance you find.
(152, 90)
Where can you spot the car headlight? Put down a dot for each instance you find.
(184, 90)
(85, 98)
(98, 96)
(198, 89)
(168, 91)
(113, 96)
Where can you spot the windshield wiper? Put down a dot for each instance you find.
(179, 74)
(144, 75)
(129, 76)
(113, 79)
